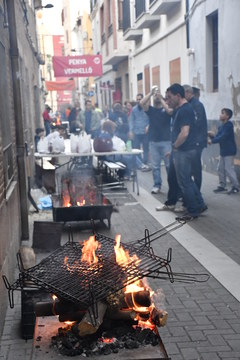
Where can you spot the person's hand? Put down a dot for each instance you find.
(209, 141)
(154, 90)
(167, 155)
(211, 133)
(130, 135)
(146, 129)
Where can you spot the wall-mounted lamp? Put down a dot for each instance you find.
(48, 6)
(190, 51)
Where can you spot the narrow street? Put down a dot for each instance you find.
(203, 318)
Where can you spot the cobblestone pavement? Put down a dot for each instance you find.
(204, 318)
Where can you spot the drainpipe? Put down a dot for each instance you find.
(22, 180)
(187, 23)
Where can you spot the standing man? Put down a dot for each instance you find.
(89, 120)
(138, 130)
(159, 136)
(121, 120)
(184, 149)
(201, 133)
(47, 119)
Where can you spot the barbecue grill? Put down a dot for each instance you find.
(101, 211)
(78, 197)
(63, 274)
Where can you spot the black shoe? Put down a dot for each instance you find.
(187, 217)
(219, 189)
(204, 208)
(233, 190)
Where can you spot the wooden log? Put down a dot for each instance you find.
(158, 317)
(86, 325)
(56, 308)
(141, 299)
(120, 314)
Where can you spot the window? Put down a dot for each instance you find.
(140, 83)
(102, 23)
(126, 16)
(212, 52)
(147, 79)
(215, 51)
(5, 123)
(175, 71)
(120, 17)
(140, 7)
(110, 24)
(156, 76)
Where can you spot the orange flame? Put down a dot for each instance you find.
(122, 256)
(81, 202)
(66, 263)
(107, 340)
(89, 250)
(145, 325)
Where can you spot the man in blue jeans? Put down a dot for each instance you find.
(159, 136)
(138, 132)
(184, 149)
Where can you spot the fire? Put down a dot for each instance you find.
(81, 202)
(89, 250)
(69, 322)
(146, 325)
(66, 263)
(122, 256)
(107, 340)
(134, 290)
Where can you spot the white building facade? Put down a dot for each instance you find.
(159, 42)
(143, 43)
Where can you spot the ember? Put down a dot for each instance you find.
(111, 337)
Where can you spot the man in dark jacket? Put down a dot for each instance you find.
(228, 149)
(201, 132)
(184, 149)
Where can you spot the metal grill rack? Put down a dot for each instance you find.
(63, 274)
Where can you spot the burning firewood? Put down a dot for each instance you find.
(86, 326)
(158, 317)
(140, 298)
(120, 314)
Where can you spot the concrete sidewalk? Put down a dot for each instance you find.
(204, 318)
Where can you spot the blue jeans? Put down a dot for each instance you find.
(47, 127)
(158, 151)
(191, 194)
(142, 139)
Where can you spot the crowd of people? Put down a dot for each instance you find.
(173, 130)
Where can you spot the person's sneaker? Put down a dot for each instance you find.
(165, 208)
(180, 208)
(155, 190)
(233, 190)
(219, 189)
(145, 168)
(204, 208)
(187, 217)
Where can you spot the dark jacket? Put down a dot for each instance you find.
(200, 122)
(225, 138)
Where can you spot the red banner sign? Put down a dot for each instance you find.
(60, 85)
(77, 66)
